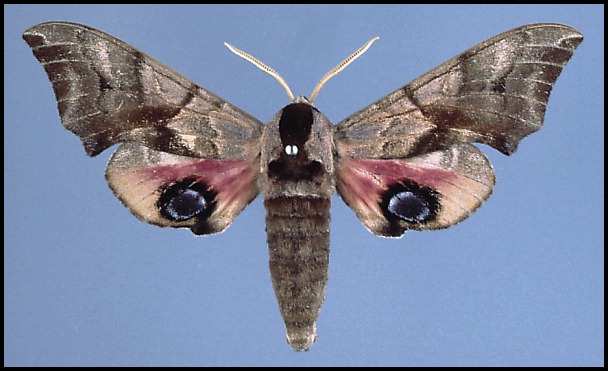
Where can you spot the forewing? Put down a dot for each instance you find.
(494, 93)
(109, 92)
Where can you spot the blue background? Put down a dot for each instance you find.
(521, 282)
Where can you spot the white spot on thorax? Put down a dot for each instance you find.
(291, 150)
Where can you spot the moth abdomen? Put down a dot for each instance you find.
(298, 244)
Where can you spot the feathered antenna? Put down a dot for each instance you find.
(263, 67)
(334, 71)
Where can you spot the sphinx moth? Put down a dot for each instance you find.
(189, 159)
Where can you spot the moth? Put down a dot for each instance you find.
(189, 159)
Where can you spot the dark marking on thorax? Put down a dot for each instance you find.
(295, 126)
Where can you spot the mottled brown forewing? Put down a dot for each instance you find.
(495, 93)
(109, 92)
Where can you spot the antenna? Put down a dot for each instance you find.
(263, 67)
(334, 71)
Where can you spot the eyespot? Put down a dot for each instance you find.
(411, 202)
(185, 200)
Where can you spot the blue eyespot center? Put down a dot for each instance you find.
(186, 199)
(409, 206)
(410, 202)
(186, 205)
